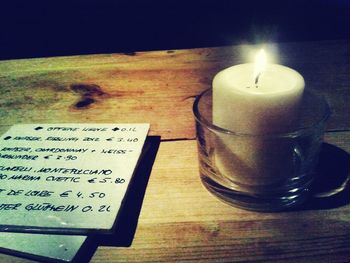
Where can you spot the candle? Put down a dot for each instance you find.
(255, 99)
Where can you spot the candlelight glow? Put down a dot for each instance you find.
(260, 64)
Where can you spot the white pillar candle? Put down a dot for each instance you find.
(268, 106)
(254, 99)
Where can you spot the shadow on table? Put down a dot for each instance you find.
(126, 222)
(331, 189)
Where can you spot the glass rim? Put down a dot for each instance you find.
(292, 134)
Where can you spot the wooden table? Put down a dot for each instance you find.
(180, 220)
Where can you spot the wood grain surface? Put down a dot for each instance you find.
(180, 220)
(155, 87)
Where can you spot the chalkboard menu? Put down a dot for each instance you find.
(69, 178)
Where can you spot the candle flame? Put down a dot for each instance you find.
(260, 64)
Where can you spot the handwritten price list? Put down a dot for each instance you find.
(67, 175)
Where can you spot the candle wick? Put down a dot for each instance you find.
(257, 78)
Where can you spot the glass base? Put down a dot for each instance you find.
(253, 168)
(261, 203)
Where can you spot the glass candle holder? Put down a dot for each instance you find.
(260, 172)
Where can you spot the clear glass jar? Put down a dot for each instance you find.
(261, 172)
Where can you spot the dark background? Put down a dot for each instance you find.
(71, 27)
